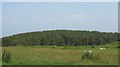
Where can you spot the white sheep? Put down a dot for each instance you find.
(102, 48)
(87, 54)
(90, 51)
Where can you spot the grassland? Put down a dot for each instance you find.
(62, 55)
(0, 56)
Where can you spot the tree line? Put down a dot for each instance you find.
(60, 38)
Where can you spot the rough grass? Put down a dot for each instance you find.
(62, 55)
(0, 55)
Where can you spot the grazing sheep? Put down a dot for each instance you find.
(102, 48)
(87, 54)
(84, 54)
(90, 51)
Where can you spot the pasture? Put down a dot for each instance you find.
(62, 55)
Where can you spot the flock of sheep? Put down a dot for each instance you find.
(88, 54)
(102, 48)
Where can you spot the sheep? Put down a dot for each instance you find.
(102, 48)
(90, 51)
(87, 54)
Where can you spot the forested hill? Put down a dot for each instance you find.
(60, 38)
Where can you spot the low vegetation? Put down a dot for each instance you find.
(6, 56)
(63, 55)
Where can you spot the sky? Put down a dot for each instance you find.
(21, 17)
(59, 0)
(0, 19)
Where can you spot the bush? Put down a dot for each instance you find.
(6, 56)
(118, 46)
(106, 46)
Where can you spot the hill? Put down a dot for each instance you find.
(60, 38)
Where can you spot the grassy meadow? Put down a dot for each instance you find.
(62, 55)
(0, 56)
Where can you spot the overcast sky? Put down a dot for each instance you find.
(0, 19)
(60, 0)
(21, 17)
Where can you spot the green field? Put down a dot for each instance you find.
(62, 55)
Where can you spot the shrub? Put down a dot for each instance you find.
(106, 46)
(6, 56)
(118, 46)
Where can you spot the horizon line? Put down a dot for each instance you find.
(57, 29)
